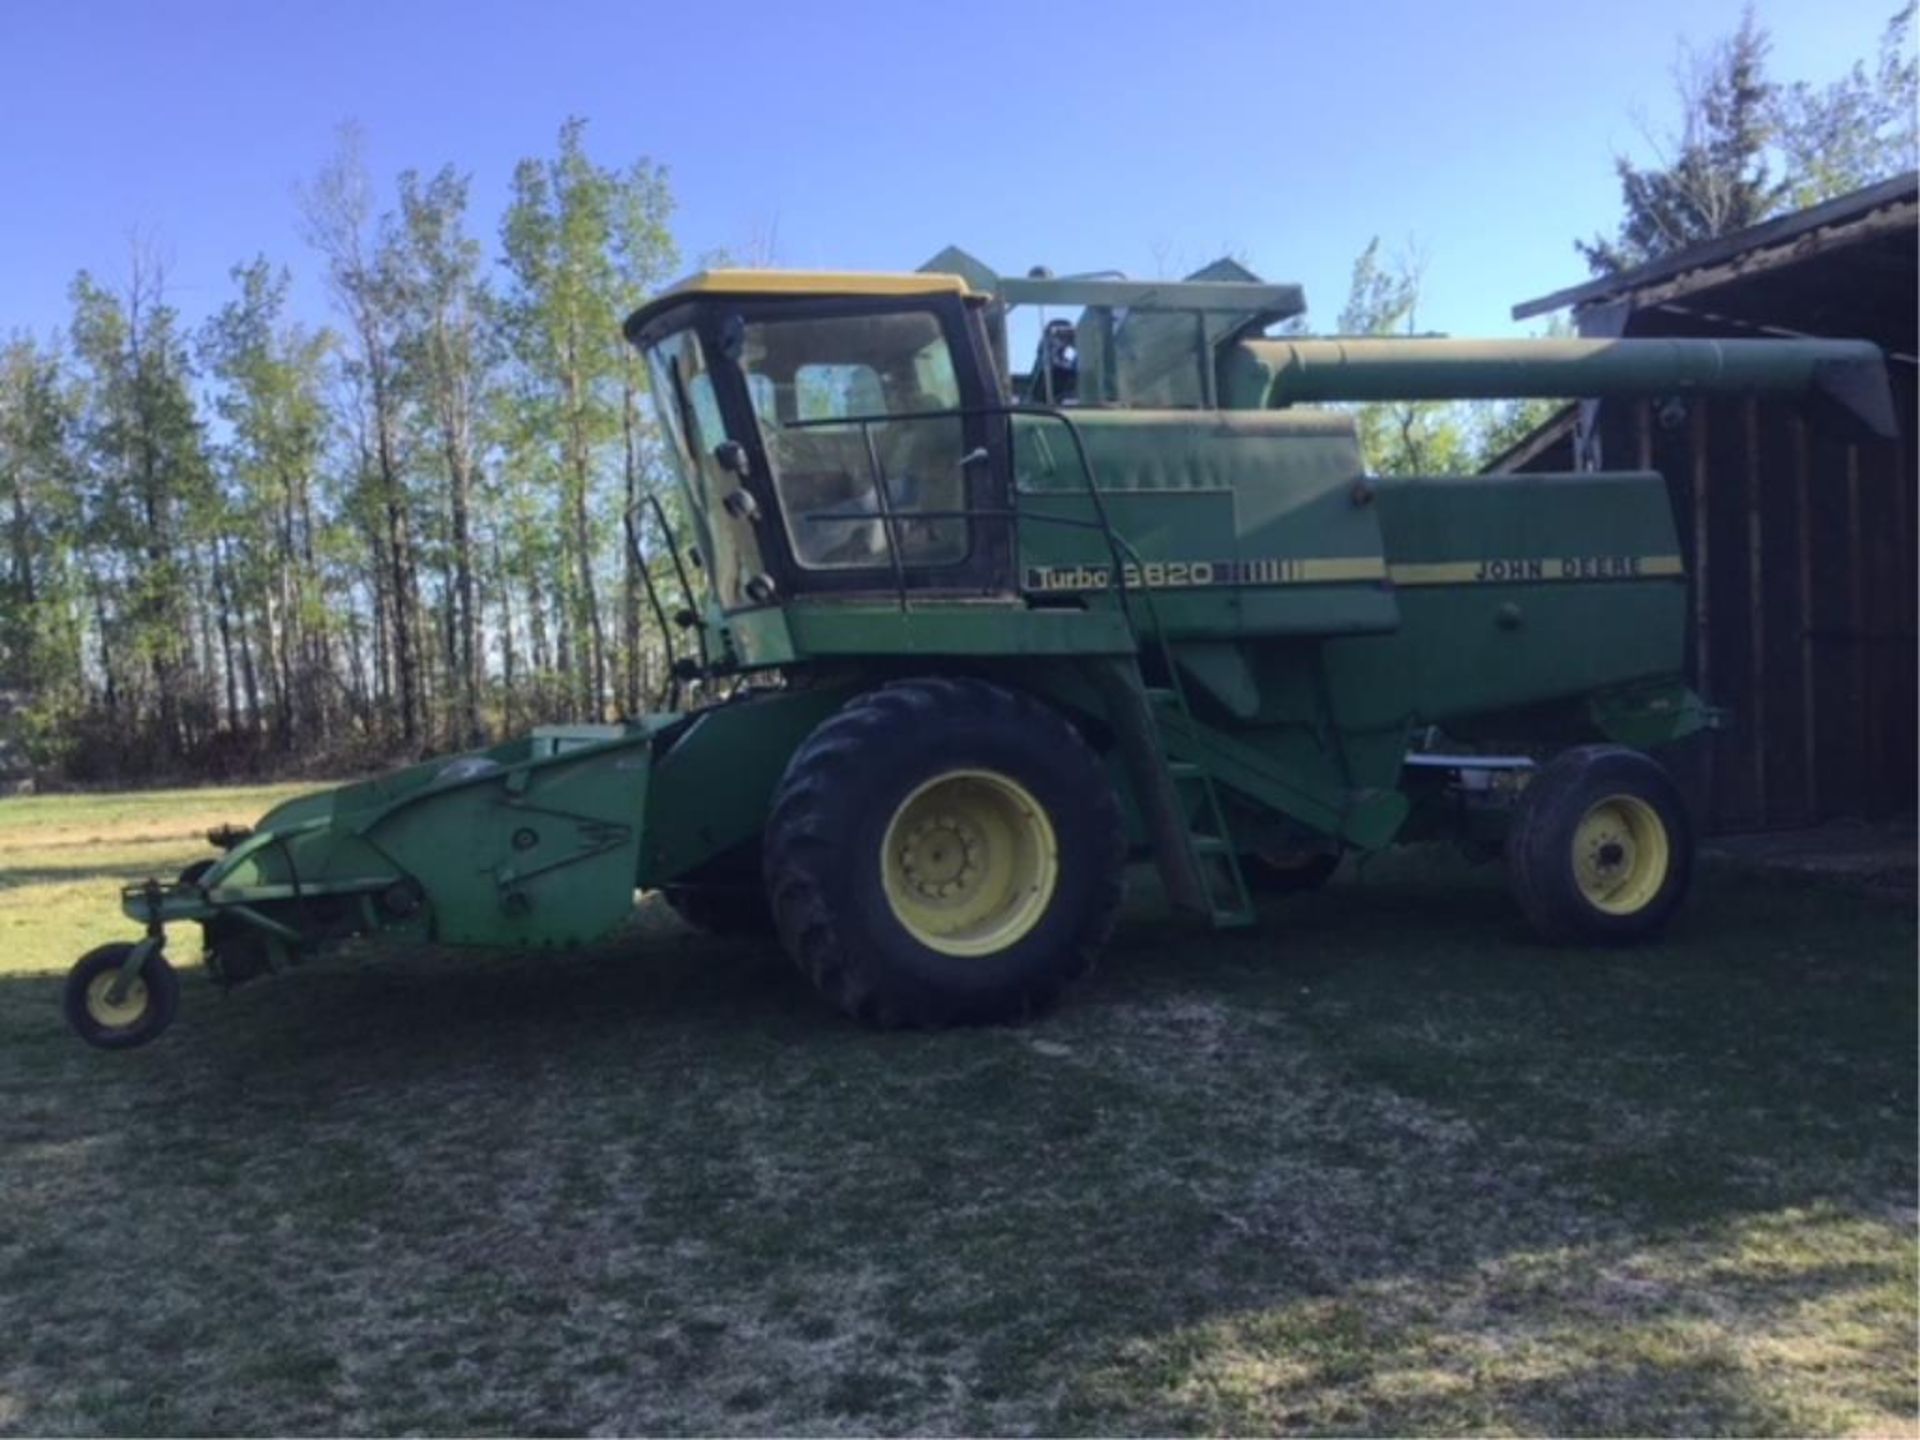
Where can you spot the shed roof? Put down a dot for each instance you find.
(1888, 207)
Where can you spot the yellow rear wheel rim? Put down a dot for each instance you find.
(105, 1012)
(969, 862)
(1621, 855)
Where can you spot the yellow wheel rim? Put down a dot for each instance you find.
(102, 1009)
(969, 862)
(1621, 855)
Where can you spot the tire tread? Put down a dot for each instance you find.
(802, 848)
(1539, 844)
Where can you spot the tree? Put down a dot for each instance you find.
(445, 344)
(361, 272)
(265, 553)
(40, 632)
(1403, 437)
(147, 497)
(560, 235)
(1861, 128)
(644, 256)
(390, 535)
(1716, 176)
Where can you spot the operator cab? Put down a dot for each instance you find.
(833, 435)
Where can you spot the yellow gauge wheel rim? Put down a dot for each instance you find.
(969, 862)
(105, 1012)
(1621, 855)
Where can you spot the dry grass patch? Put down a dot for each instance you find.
(62, 858)
(1384, 1166)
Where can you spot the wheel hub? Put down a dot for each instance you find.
(1621, 854)
(969, 862)
(942, 857)
(109, 1012)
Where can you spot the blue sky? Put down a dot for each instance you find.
(1132, 135)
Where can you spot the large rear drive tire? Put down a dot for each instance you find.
(943, 852)
(1601, 849)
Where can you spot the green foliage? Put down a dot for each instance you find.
(1747, 148)
(146, 501)
(270, 396)
(1426, 437)
(1499, 425)
(263, 544)
(40, 615)
(581, 241)
(1408, 437)
(1717, 176)
(446, 353)
(557, 236)
(1856, 130)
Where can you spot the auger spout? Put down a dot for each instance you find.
(1847, 377)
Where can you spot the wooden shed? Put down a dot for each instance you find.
(1800, 543)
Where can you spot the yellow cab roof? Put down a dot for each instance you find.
(798, 282)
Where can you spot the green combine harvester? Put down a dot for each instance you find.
(972, 639)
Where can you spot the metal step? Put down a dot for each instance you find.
(1227, 904)
(1222, 896)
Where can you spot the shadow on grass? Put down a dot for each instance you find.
(1384, 1165)
(18, 877)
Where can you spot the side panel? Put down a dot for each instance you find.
(713, 780)
(1284, 774)
(454, 825)
(1237, 524)
(537, 855)
(1516, 592)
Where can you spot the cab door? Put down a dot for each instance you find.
(878, 433)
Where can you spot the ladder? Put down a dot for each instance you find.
(1223, 898)
(1181, 804)
(1178, 799)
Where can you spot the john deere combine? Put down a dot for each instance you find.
(988, 635)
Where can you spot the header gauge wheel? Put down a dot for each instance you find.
(1601, 850)
(141, 1009)
(944, 851)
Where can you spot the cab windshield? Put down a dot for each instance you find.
(842, 404)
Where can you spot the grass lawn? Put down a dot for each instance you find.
(61, 857)
(1383, 1166)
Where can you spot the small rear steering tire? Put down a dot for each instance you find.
(140, 1014)
(1601, 850)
